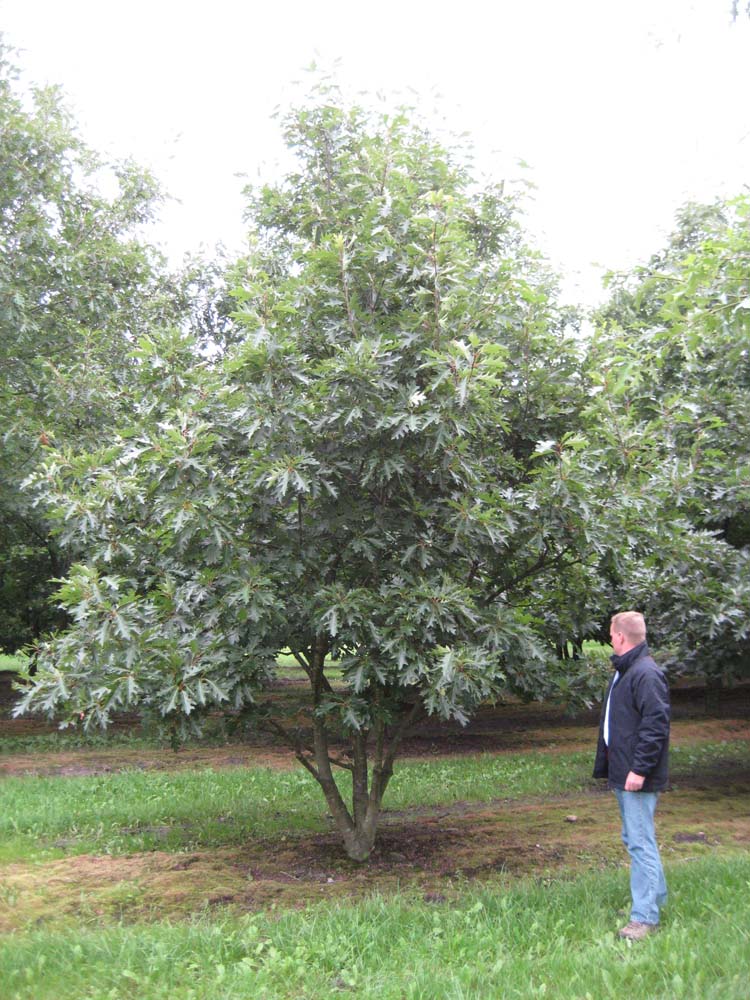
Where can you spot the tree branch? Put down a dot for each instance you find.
(536, 567)
(383, 769)
(304, 754)
(303, 662)
(475, 564)
(359, 777)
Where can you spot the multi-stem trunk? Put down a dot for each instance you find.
(358, 823)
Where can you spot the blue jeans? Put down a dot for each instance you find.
(647, 886)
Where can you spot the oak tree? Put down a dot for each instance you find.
(381, 475)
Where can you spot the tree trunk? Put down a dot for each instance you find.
(359, 842)
(714, 688)
(368, 791)
(358, 825)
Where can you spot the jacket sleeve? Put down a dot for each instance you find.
(651, 697)
(601, 762)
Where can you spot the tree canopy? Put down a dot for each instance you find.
(384, 474)
(78, 284)
(675, 342)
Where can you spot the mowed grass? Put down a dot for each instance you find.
(183, 810)
(551, 938)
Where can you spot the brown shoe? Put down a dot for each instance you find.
(636, 931)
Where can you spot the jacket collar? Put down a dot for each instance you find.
(621, 663)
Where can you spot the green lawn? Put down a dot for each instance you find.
(8, 662)
(515, 942)
(508, 938)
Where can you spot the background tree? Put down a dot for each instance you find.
(671, 369)
(382, 476)
(78, 285)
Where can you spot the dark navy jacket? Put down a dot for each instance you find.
(638, 723)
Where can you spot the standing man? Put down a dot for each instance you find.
(632, 755)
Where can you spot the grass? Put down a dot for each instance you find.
(551, 938)
(137, 811)
(14, 663)
(182, 810)
(289, 668)
(72, 739)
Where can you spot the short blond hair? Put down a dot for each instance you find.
(632, 624)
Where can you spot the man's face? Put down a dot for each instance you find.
(618, 640)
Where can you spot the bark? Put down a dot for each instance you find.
(360, 791)
(322, 762)
(358, 826)
(360, 839)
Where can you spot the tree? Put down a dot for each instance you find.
(672, 355)
(77, 286)
(382, 477)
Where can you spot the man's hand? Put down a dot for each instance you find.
(634, 782)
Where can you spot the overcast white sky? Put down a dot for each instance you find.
(623, 110)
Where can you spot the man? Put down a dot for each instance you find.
(632, 755)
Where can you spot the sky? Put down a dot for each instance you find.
(617, 113)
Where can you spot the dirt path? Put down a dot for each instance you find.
(479, 739)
